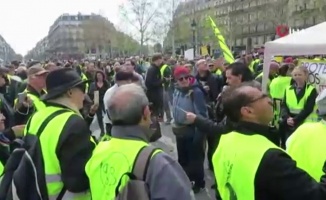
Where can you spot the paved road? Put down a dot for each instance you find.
(167, 143)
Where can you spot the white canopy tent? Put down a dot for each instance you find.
(310, 41)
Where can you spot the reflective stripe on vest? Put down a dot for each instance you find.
(110, 160)
(306, 146)
(1, 168)
(296, 107)
(229, 164)
(49, 140)
(84, 78)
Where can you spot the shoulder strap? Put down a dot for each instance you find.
(46, 121)
(142, 162)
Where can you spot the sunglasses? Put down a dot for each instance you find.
(82, 87)
(183, 78)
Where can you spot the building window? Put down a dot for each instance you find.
(245, 29)
(298, 22)
(253, 28)
(238, 42)
(261, 40)
(260, 27)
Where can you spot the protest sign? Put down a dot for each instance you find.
(317, 72)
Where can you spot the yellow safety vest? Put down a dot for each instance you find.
(111, 159)
(1, 169)
(277, 89)
(234, 174)
(278, 86)
(49, 140)
(37, 102)
(163, 69)
(307, 147)
(296, 107)
(84, 78)
(218, 72)
(9, 78)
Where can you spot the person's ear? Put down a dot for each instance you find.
(147, 113)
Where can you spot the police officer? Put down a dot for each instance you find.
(130, 133)
(66, 141)
(306, 144)
(247, 163)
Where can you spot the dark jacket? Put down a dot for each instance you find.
(153, 83)
(73, 150)
(10, 90)
(209, 127)
(277, 176)
(7, 111)
(215, 84)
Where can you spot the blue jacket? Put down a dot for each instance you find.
(190, 99)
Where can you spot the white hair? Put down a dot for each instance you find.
(127, 104)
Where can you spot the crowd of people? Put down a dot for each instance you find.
(258, 145)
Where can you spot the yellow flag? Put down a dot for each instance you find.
(225, 49)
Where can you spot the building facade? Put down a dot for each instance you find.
(245, 24)
(7, 54)
(65, 36)
(79, 36)
(40, 51)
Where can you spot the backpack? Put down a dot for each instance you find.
(136, 187)
(24, 173)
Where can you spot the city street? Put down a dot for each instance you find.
(167, 143)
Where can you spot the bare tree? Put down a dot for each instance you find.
(143, 15)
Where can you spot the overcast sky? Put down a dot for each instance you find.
(24, 22)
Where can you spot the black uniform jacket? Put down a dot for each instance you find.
(73, 150)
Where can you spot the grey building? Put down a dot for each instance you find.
(244, 23)
(7, 54)
(65, 36)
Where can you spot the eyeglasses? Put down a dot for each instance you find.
(183, 78)
(263, 96)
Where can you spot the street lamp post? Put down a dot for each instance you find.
(110, 49)
(193, 27)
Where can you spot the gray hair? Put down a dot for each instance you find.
(126, 106)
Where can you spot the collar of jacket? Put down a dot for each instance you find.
(64, 103)
(131, 132)
(250, 128)
(207, 75)
(33, 91)
(294, 86)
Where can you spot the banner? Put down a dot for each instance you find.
(204, 51)
(317, 72)
(228, 56)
